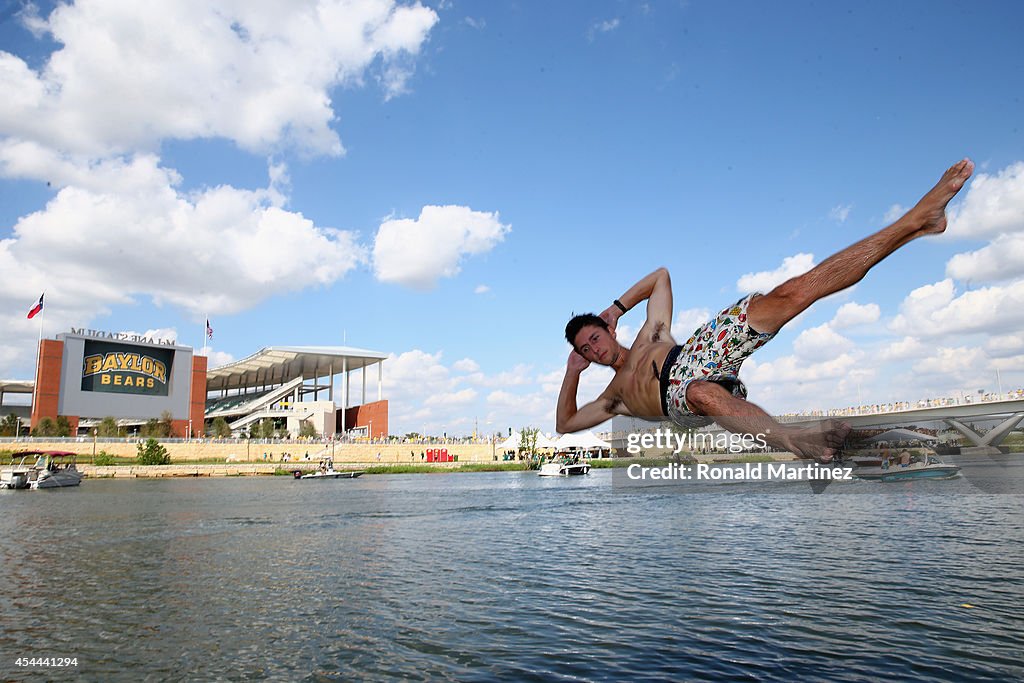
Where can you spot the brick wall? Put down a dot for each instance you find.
(373, 415)
(44, 404)
(197, 406)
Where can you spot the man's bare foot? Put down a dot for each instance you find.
(930, 211)
(823, 443)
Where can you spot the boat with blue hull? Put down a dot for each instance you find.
(927, 468)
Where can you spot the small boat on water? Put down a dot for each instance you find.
(564, 467)
(928, 468)
(49, 470)
(326, 471)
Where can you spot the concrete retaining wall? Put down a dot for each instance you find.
(254, 452)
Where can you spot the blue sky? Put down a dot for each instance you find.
(448, 181)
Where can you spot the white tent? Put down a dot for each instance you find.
(512, 442)
(900, 435)
(585, 441)
(544, 441)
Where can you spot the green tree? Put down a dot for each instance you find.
(152, 453)
(220, 428)
(266, 428)
(104, 459)
(307, 430)
(150, 429)
(9, 427)
(528, 440)
(63, 426)
(45, 427)
(107, 427)
(165, 426)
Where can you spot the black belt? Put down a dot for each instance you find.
(666, 370)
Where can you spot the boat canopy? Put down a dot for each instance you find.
(52, 454)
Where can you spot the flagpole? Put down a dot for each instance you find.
(206, 332)
(35, 380)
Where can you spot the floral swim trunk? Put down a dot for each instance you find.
(714, 353)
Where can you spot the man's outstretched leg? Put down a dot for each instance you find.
(742, 417)
(770, 312)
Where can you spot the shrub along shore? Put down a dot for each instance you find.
(150, 459)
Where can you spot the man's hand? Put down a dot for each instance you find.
(576, 362)
(611, 316)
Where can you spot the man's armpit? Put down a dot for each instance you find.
(658, 333)
(617, 407)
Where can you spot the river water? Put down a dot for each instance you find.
(511, 576)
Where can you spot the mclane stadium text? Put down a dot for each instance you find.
(121, 336)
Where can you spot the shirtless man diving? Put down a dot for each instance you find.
(689, 383)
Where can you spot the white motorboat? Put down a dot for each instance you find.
(928, 468)
(564, 467)
(49, 470)
(326, 471)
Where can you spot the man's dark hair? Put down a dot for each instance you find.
(580, 321)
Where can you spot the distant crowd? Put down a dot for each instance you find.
(900, 406)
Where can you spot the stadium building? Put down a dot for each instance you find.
(88, 375)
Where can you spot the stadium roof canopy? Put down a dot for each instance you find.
(16, 386)
(279, 364)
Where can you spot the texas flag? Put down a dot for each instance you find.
(209, 330)
(37, 308)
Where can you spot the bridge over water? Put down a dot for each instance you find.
(1008, 413)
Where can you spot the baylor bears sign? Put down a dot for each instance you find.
(126, 369)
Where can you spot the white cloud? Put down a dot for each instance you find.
(894, 212)
(1001, 260)
(687, 321)
(820, 343)
(908, 347)
(936, 310)
(481, 289)
(791, 369)
(129, 75)
(960, 362)
(598, 27)
(994, 204)
(426, 394)
(840, 212)
(419, 252)
(455, 398)
(218, 358)
(1004, 345)
(466, 365)
(765, 281)
(852, 314)
(94, 247)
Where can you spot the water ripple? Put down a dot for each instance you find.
(509, 576)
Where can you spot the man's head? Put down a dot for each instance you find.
(591, 337)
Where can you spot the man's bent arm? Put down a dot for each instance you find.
(570, 419)
(656, 289)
